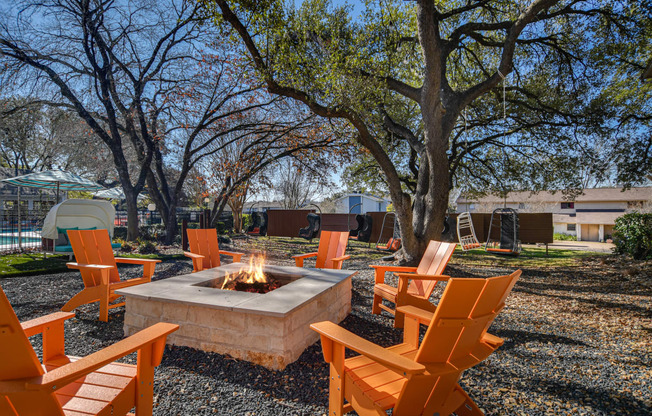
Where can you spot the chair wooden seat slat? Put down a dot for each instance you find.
(98, 267)
(74, 386)
(205, 250)
(418, 378)
(330, 254)
(415, 285)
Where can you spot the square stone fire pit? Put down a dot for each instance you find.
(270, 329)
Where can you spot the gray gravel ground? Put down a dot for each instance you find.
(578, 342)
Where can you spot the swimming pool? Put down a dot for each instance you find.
(13, 240)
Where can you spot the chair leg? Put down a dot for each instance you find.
(104, 303)
(88, 295)
(399, 319)
(375, 306)
(145, 382)
(336, 382)
(468, 408)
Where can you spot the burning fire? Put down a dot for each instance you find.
(251, 279)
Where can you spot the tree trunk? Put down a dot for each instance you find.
(171, 225)
(237, 221)
(132, 217)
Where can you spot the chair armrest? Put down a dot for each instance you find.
(148, 265)
(136, 261)
(236, 256)
(422, 316)
(379, 271)
(298, 259)
(411, 276)
(38, 325)
(394, 268)
(304, 256)
(80, 266)
(197, 261)
(337, 261)
(61, 376)
(389, 359)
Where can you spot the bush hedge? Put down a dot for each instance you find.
(564, 237)
(633, 235)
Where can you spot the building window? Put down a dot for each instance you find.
(567, 205)
(571, 227)
(521, 205)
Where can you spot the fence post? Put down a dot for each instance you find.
(184, 235)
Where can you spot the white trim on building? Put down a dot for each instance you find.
(589, 216)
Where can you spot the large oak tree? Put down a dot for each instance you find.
(424, 82)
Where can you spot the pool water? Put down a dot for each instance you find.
(4, 239)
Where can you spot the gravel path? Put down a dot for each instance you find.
(578, 342)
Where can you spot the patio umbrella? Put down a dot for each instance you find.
(51, 179)
(115, 193)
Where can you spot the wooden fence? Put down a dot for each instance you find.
(287, 222)
(533, 228)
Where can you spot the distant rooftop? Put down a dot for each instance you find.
(588, 195)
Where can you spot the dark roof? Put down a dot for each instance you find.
(588, 195)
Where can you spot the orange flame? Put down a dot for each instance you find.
(253, 274)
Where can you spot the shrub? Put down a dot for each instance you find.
(127, 247)
(564, 237)
(120, 232)
(154, 232)
(246, 221)
(633, 235)
(146, 247)
(221, 227)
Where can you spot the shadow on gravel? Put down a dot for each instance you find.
(514, 338)
(601, 400)
(598, 303)
(582, 285)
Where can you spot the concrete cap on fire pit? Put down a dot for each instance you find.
(192, 290)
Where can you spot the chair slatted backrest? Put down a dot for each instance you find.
(467, 308)
(483, 314)
(93, 247)
(19, 361)
(204, 243)
(332, 244)
(433, 262)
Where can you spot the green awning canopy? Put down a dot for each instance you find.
(54, 179)
(114, 193)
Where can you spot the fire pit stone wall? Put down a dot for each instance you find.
(270, 329)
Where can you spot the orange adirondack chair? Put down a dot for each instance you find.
(330, 254)
(73, 386)
(423, 280)
(99, 271)
(204, 250)
(417, 379)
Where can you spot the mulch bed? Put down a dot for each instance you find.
(578, 342)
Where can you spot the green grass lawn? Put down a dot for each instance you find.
(27, 264)
(529, 257)
(30, 264)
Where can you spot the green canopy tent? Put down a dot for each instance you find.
(115, 193)
(55, 179)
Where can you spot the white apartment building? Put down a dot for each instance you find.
(590, 216)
